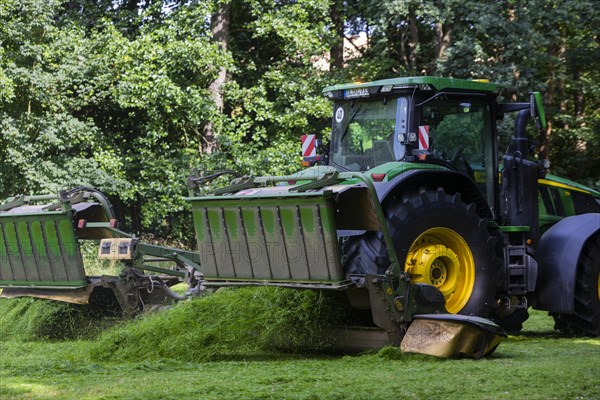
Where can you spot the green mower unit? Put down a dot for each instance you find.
(411, 214)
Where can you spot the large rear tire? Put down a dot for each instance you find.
(442, 242)
(585, 319)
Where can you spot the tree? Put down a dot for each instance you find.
(220, 21)
(336, 51)
(128, 96)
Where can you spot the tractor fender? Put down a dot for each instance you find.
(557, 255)
(451, 181)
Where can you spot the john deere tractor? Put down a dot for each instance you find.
(416, 210)
(487, 226)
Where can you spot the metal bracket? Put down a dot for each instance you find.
(247, 182)
(328, 179)
(385, 308)
(12, 203)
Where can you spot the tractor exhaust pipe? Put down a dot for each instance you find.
(520, 144)
(519, 181)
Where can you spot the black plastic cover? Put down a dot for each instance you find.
(557, 255)
(520, 193)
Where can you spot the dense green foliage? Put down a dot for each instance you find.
(121, 95)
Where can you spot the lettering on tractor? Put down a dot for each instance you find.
(412, 213)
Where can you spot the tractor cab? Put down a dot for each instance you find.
(426, 120)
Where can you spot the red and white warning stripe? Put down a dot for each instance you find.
(308, 146)
(424, 137)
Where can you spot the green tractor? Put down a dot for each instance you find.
(411, 213)
(491, 230)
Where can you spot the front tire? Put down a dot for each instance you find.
(442, 242)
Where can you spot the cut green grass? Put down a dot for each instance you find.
(529, 366)
(36, 319)
(229, 324)
(225, 346)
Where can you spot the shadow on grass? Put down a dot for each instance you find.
(538, 335)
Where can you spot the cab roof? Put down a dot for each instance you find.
(420, 82)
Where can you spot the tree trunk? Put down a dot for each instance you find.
(220, 30)
(413, 43)
(578, 98)
(545, 135)
(336, 52)
(556, 86)
(403, 57)
(442, 39)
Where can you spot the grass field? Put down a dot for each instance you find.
(539, 364)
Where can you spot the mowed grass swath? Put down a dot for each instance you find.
(167, 355)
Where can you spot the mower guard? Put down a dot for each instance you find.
(452, 336)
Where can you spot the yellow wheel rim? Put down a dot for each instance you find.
(441, 257)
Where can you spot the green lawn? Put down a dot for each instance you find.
(537, 365)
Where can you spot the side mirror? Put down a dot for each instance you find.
(536, 109)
